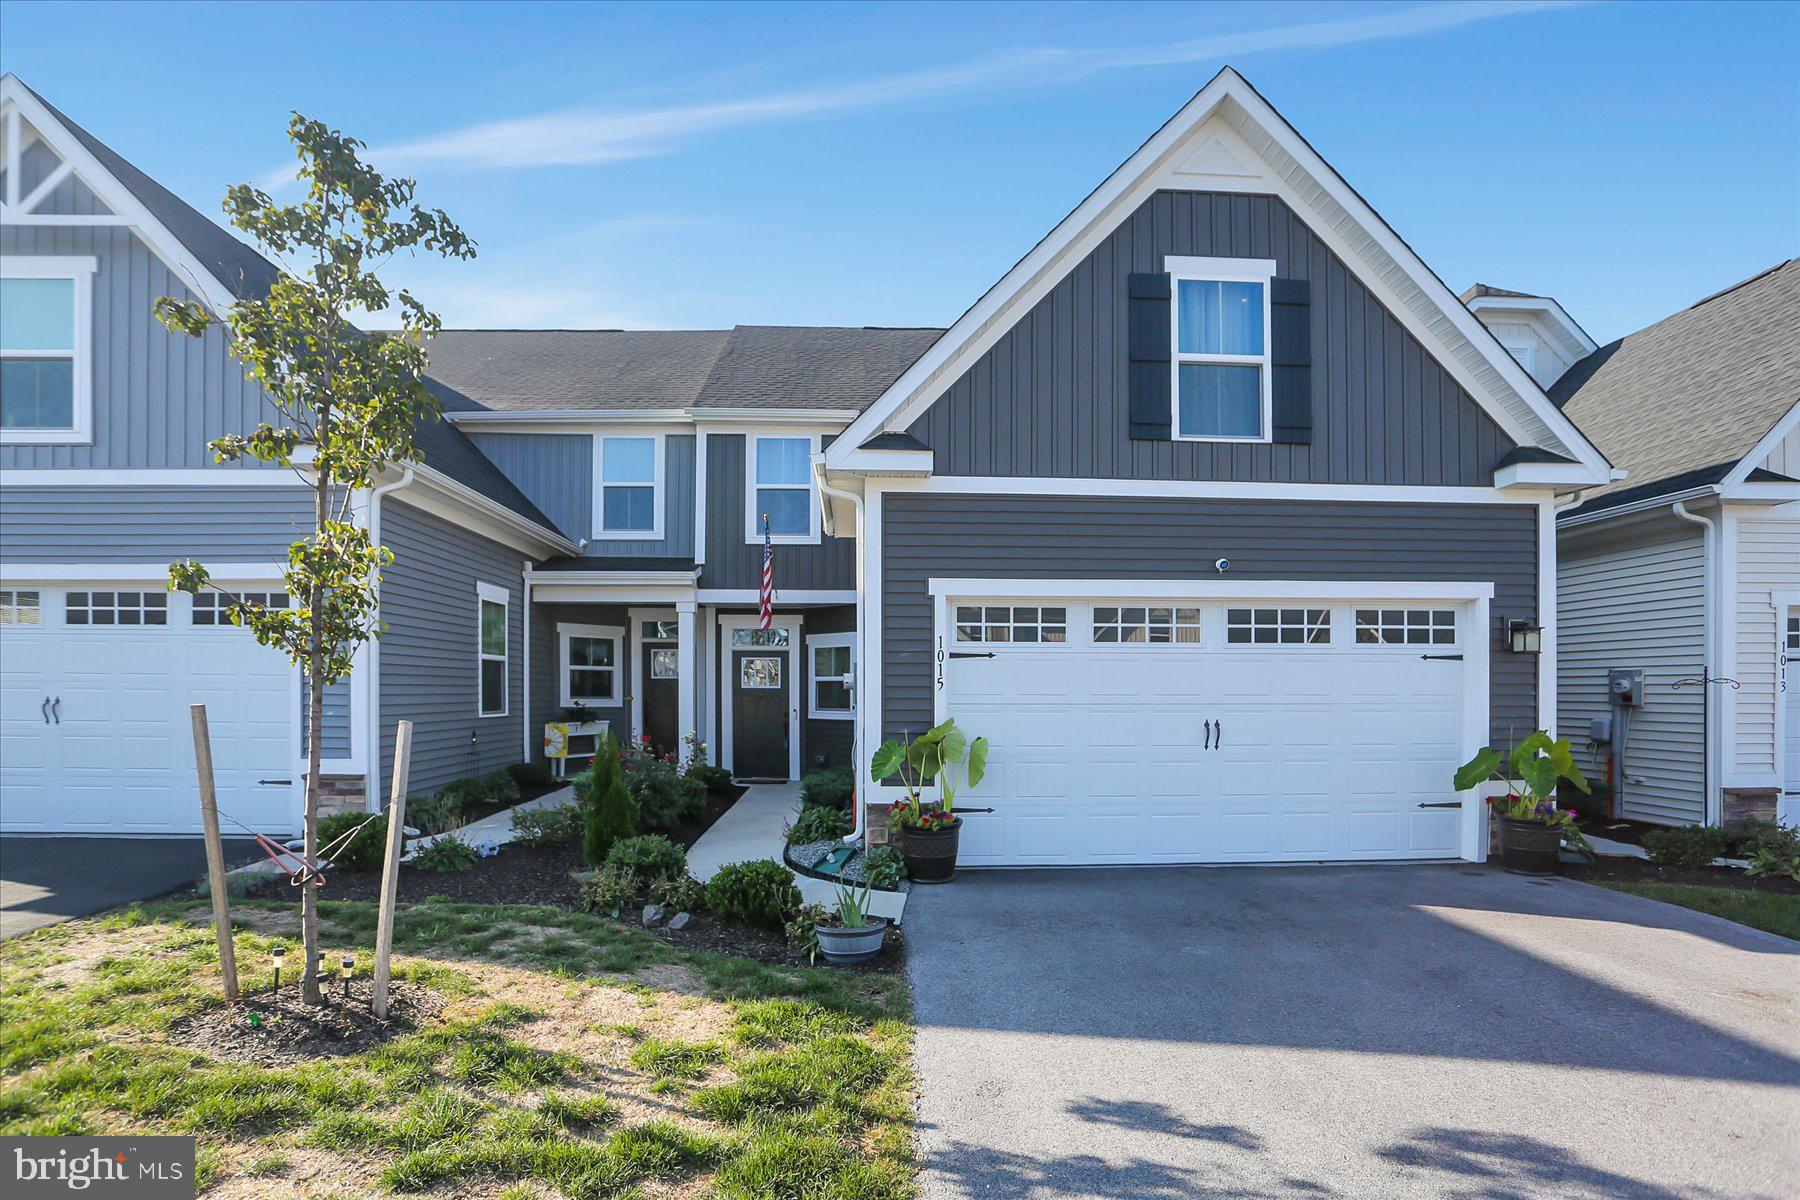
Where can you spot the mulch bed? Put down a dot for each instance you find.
(705, 933)
(488, 808)
(516, 875)
(278, 1029)
(1636, 870)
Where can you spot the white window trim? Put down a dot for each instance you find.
(659, 492)
(612, 633)
(493, 593)
(1220, 270)
(80, 269)
(828, 641)
(752, 526)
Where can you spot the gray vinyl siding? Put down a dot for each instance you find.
(337, 718)
(151, 524)
(428, 652)
(732, 562)
(827, 739)
(1049, 399)
(1070, 537)
(159, 397)
(556, 471)
(1637, 601)
(546, 664)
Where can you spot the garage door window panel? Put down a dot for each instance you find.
(214, 609)
(1012, 624)
(1271, 626)
(1147, 625)
(1405, 626)
(20, 607)
(116, 608)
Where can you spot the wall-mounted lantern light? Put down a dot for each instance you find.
(1522, 637)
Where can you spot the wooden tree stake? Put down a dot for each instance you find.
(390, 868)
(215, 852)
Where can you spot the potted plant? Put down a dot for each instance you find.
(852, 935)
(1532, 825)
(929, 832)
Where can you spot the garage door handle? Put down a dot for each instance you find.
(1207, 745)
(1218, 734)
(1444, 804)
(45, 709)
(56, 709)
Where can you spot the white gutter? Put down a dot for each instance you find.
(372, 778)
(1709, 728)
(857, 830)
(1637, 506)
(492, 509)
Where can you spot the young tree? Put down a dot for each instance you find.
(348, 402)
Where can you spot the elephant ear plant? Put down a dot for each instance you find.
(1531, 774)
(944, 754)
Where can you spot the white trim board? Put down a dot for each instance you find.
(1290, 169)
(1002, 485)
(224, 572)
(1207, 589)
(173, 477)
(794, 623)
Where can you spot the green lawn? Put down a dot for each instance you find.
(1770, 911)
(577, 1057)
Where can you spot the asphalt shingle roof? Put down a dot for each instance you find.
(786, 366)
(1488, 289)
(1696, 389)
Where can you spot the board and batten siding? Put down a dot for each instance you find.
(1768, 563)
(429, 652)
(1637, 602)
(159, 397)
(1079, 537)
(826, 738)
(547, 665)
(1050, 398)
(556, 471)
(732, 561)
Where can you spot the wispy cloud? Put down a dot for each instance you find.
(590, 136)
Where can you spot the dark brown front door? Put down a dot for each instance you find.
(759, 706)
(661, 668)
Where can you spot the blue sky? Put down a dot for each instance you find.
(696, 166)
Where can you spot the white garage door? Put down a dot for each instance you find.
(95, 735)
(1210, 731)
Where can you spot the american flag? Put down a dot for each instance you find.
(765, 596)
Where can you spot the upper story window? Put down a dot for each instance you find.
(630, 489)
(46, 372)
(1221, 361)
(781, 489)
(491, 603)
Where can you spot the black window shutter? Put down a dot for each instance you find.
(1148, 384)
(1290, 312)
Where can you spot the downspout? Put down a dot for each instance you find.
(374, 787)
(1708, 648)
(857, 829)
(525, 651)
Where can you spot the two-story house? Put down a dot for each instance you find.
(1224, 520)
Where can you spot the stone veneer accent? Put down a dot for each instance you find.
(341, 794)
(1746, 804)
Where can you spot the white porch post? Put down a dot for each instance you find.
(688, 678)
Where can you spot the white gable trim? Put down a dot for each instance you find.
(1575, 342)
(1763, 448)
(16, 101)
(1209, 145)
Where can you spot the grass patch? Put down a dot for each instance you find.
(663, 1059)
(1772, 912)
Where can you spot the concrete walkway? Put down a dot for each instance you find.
(1420, 1033)
(756, 827)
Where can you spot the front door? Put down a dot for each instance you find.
(661, 675)
(759, 704)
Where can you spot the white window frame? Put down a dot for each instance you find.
(659, 493)
(492, 593)
(1259, 271)
(752, 524)
(830, 641)
(80, 269)
(611, 633)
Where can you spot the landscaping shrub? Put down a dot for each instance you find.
(649, 858)
(530, 774)
(611, 812)
(883, 866)
(611, 891)
(803, 930)
(666, 798)
(714, 779)
(832, 789)
(818, 824)
(435, 813)
(1691, 846)
(365, 851)
(682, 893)
(1745, 838)
(546, 826)
(447, 853)
(760, 893)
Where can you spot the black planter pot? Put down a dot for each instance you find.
(1530, 847)
(930, 854)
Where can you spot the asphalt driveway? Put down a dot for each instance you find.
(1347, 1032)
(50, 879)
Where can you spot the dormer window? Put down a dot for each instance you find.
(46, 371)
(1221, 343)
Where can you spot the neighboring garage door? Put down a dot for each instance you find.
(1212, 731)
(95, 735)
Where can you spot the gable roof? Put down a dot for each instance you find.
(1488, 289)
(746, 367)
(1228, 137)
(1696, 389)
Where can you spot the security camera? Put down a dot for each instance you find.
(1221, 565)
